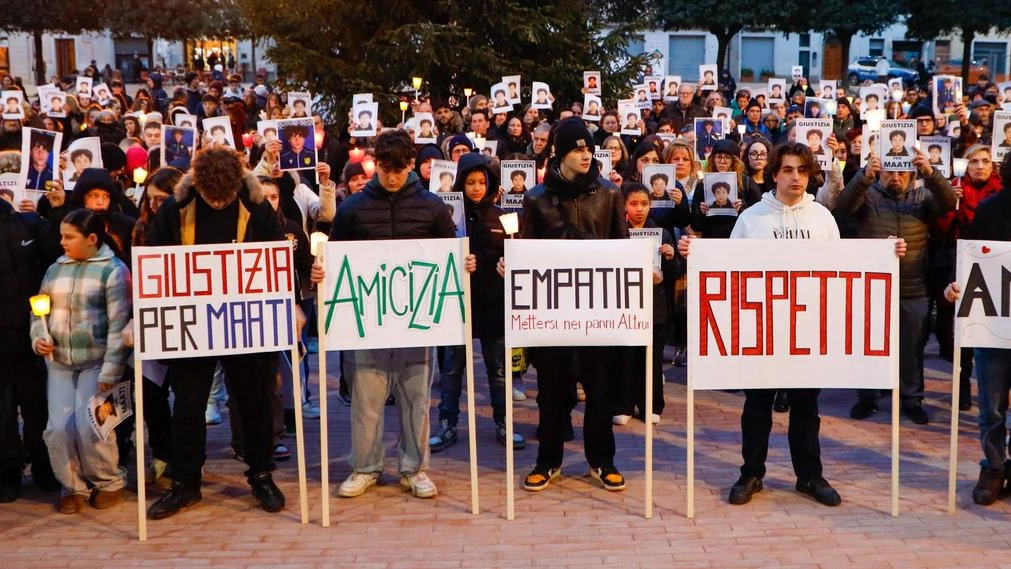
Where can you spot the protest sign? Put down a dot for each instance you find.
(983, 313)
(591, 83)
(40, 162)
(177, 143)
(661, 180)
(938, 151)
(84, 153)
(209, 300)
(895, 145)
(1001, 139)
(584, 292)
(518, 176)
(720, 191)
(579, 292)
(670, 85)
(381, 294)
(792, 314)
(655, 236)
(298, 143)
(300, 104)
(454, 202)
(815, 133)
(109, 408)
(443, 176)
(218, 132)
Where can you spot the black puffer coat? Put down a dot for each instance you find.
(409, 213)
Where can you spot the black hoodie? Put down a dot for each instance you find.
(588, 207)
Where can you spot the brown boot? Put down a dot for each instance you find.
(71, 504)
(101, 500)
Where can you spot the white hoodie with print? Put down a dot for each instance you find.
(772, 219)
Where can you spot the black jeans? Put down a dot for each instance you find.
(756, 424)
(630, 386)
(190, 380)
(22, 386)
(595, 367)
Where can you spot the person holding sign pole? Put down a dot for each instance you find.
(893, 206)
(788, 212)
(218, 202)
(393, 205)
(992, 222)
(573, 202)
(474, 177)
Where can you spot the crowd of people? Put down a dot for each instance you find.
(241, 191)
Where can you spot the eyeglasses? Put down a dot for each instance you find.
(758, 155)
(612, 147)
(723, 157)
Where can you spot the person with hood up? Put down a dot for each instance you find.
(159, 98)
(478, 184)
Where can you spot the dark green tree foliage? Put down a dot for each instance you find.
(927, 20)
(37, 17)
(340, 47)
(722, 18)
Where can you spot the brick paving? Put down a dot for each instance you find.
(573, 524)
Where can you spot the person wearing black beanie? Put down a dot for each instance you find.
(574, 202)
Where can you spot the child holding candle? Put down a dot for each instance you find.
(90, 296)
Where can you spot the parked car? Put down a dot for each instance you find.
(865, 68)
(954, 67)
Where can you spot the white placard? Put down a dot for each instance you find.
(578, 292)
(896, 145)
(383, 294)
(1001, 140)
(793, 314)
(83, 153)
(210, 300)
(982, 313)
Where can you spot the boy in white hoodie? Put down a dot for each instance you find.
(788, 212)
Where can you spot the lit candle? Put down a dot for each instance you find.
(319, 134)
(40, 307)
(959, 166)
(317, 241)
(741, 128)
(247, 139)
(369, 166)
(897, 95)
(831, 107)
(141, 118)
(356, 155)
(403, 106)
(510, 223)
(416, 81)
(467, 91)
(540, 175)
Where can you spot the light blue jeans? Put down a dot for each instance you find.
(81, 461)
(374, 373)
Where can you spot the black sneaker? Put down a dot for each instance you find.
(863, 409)
(916, 414)
(391, 401)
(609, 478)
(344, 396)
(781, 404)
(540, 477)
(989, 486)
(745, 487)
(820, 490)
(443, 437)
(42, 475)
(10, 486)
(267, 494)
(178, 497)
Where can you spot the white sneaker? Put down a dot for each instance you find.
(212, 416)
(655, 419)
(420, 484)
(357, 484)
(310, 410)
(519, 394)
(620, 419)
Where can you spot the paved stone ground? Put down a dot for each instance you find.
(573, 523)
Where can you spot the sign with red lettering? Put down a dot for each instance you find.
(792, 314)
(983, 271)
(594, 292)
(206, 300)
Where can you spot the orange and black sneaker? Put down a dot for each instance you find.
(540, 477)
(609, 478)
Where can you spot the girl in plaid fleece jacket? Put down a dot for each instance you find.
(90, 292)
